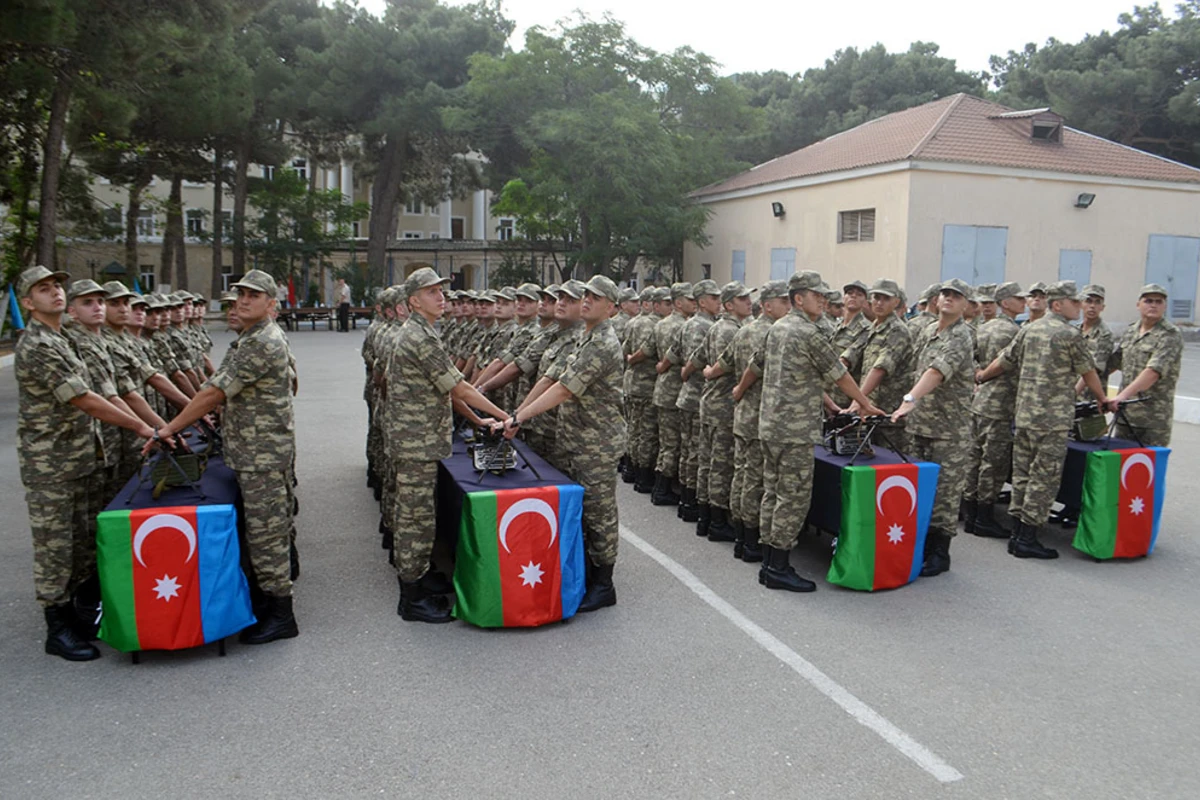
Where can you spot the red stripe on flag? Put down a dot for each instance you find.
(527, 525)
(895, 523)
(166, 578)
(1135, 510)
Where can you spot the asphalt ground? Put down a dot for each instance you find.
(1027, 679)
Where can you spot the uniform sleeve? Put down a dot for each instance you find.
(823, 359)
(888, 359)
(57, 374)
(954, 355)
(253, 359)
(1010, 356)
(1104, 348)
(584, 367)
(1082, 361)
(758, 360)
(1167, 355)
(434, 362)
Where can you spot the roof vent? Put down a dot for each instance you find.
(1047, 127)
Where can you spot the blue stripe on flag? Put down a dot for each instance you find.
(224, 592)
(927, 481)
(570, 546)
(1161, 455)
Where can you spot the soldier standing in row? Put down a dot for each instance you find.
(1035, 301)
(666, 393)
(553, 362)
(851, 329)
(707, 302)
(639, 391)
(1149, 358)
(928, 310)
(1095, 331)
(884, 355)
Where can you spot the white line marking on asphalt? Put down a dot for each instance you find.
(860, 711)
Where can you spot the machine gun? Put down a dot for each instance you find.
(851, 435)
(1092, 425)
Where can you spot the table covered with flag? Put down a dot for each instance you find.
(1121, 496)
(170, 567)
(517, 537)
(879, 509)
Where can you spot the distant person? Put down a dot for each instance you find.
(341, 296)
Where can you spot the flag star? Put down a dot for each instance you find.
(895, 534)
(166, 588)
(1137, 506)
(531, 574)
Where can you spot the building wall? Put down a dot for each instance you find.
(810, 225)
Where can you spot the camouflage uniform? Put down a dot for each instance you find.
(919, 323)
(992, 416)
(520, 339)
(101, 380)
(1048, 355)
(591, 428)
(529, 362)
(1161, 349)
(666, 393)
(939, 426)
(58, 447)
(714, 476)
(1101, 343)
(374, 439)
(619, 323)
(797, 363)
(639, 393)
(745, 492)
(849, 336)
(553, 363)
(886, 346)
(691, 337)
(132, 372)
(259, 429)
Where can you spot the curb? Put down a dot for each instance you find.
(6, 361)
(1187, 409)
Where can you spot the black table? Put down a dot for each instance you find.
(1070, 488)
(825, 513)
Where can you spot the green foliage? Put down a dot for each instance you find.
(515, 268)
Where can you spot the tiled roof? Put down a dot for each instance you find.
(960, 129)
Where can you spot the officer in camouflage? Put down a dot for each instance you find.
(1149, 358)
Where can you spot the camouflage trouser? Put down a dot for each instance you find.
(745, 493)
(1038, 458)
(1150, 437)
(990, 459)
(415, 525)
(102, 481)
(387, 491)
(267, 502)
(643, 431)
(598, 477)
(952, 455)
(689, 447)
(131, 460)
(668, 441)
(714, 477)
(375, 453)
(787, 492)
(64, 537)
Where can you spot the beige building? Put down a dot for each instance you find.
(961, 187)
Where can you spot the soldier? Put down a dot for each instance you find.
(629, 309)
(822, 319)
(254, 384)
(986, 294)
(666, 393)
(850, 330)
(928, 310)
(884, 356)
(938, 408)
(1095, 332)
(1049, 354)
(991, 420)
(714, 475)
(1035, 301)
(587, 392)
(485, 316)
(707, 303)
(639, 392)
(552, 362)
(368, 356)
(57, 437)
(1149, 357)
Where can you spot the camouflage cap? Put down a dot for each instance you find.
(773, 289)
(198, 299)
(138, 300)
(834, 297)
(231, 297)
(530, 291)
(487, 296)
(116, 290)
(1006, 290)
(1063, 290)
(1037, 286)
(957, 285)
(862, 287)
(704, 287)
(506, 293)
(1093, 290)
(649, 294)
(903, 298)
(603, 286)
(35, 275)
(664, 295)
(627, 295)
(985, 292)
(733, 290)
(681, 290)
(422, 279)
(805, 279)
(886, 287)
(930, 292)
(257, 281)
(573, 289)
(82, 287)
(552, 290)
(1151, 288)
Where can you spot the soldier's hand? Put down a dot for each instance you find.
(738, 392)
(902, 411)
(869, 410)
(662, 366)
(495, 426)
(854, 408)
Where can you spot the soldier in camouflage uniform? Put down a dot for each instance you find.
(550, 367)
(638, 387)
(938, 408)
(849, 331)
(58, 438)
(1149, 358)
(986, 294)
(666, 393)
(629, 309)
(707, 296)
(990, 458)
(1048, 354)
(1035, 301)
(587, 392)
(884, 357)
(485, 317)
(168, 352)
(254, 384)
(368, 357)
(1095, 332)
(928, 305)
(714, 477)
(796, 362)
(821, 318)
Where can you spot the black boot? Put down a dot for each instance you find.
(436, 582)
(277, 622)
(378, 492)
(371, 479)
(703, 518)
(688, 510)
(626, 470)
(1025, 544)
(739, 539)
(600, 592)
(387, 541)
(294, 558)
(61, 638)
(419, 605)
(644, 480)
(777, 573)
(752, 548)
(937, 554)
(970, 509)
(1004, 498)
(662, 495)
(719, 529)
(85, 602)
(986, 524)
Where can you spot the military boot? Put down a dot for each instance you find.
(644, 480)
(276, 622)
(435, 581)
(719, 529)
(689, 511)
(778, 573)
(294, 561)
(937, 554)
(662, 494)
(85, 602)
(600, 592)
(986, 524)
(61, 638)
(752, 548)
(739, 538)
(420, 605)
(703, 518)
(626, 468)
(970, 509)
(1025, 544)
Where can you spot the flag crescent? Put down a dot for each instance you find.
(159, 521)
(892, 482)
(1137, 458)
(529, 505)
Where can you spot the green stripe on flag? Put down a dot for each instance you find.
(477, 563)
(1096, 534)
(114, 564)
(854, 562)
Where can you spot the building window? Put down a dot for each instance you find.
(268, 172)
(146, 278)
(413, 206)
(435, 210)
(856, 226)
(505, 230)
(300, 167)
(195, 222)
(113, 216)
(737, 270)
(414, 235)
(457, 228)
(226, 276)
(435, 236)
(707, 269)
(356, 230)
(145, 223)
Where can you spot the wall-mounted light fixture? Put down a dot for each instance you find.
(1084, 200)
(777, 209)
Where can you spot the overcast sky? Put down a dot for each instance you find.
(757, 35)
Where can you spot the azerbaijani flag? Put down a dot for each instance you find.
(170, 578)
(1123, 494)
(520, 560)
(885, 516)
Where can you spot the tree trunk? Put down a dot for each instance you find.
(218, 256)
(240, 192)
(131, 220)
(385, 194)
(28, 175)
(172, 236)
(60, 100)
(181, 271)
